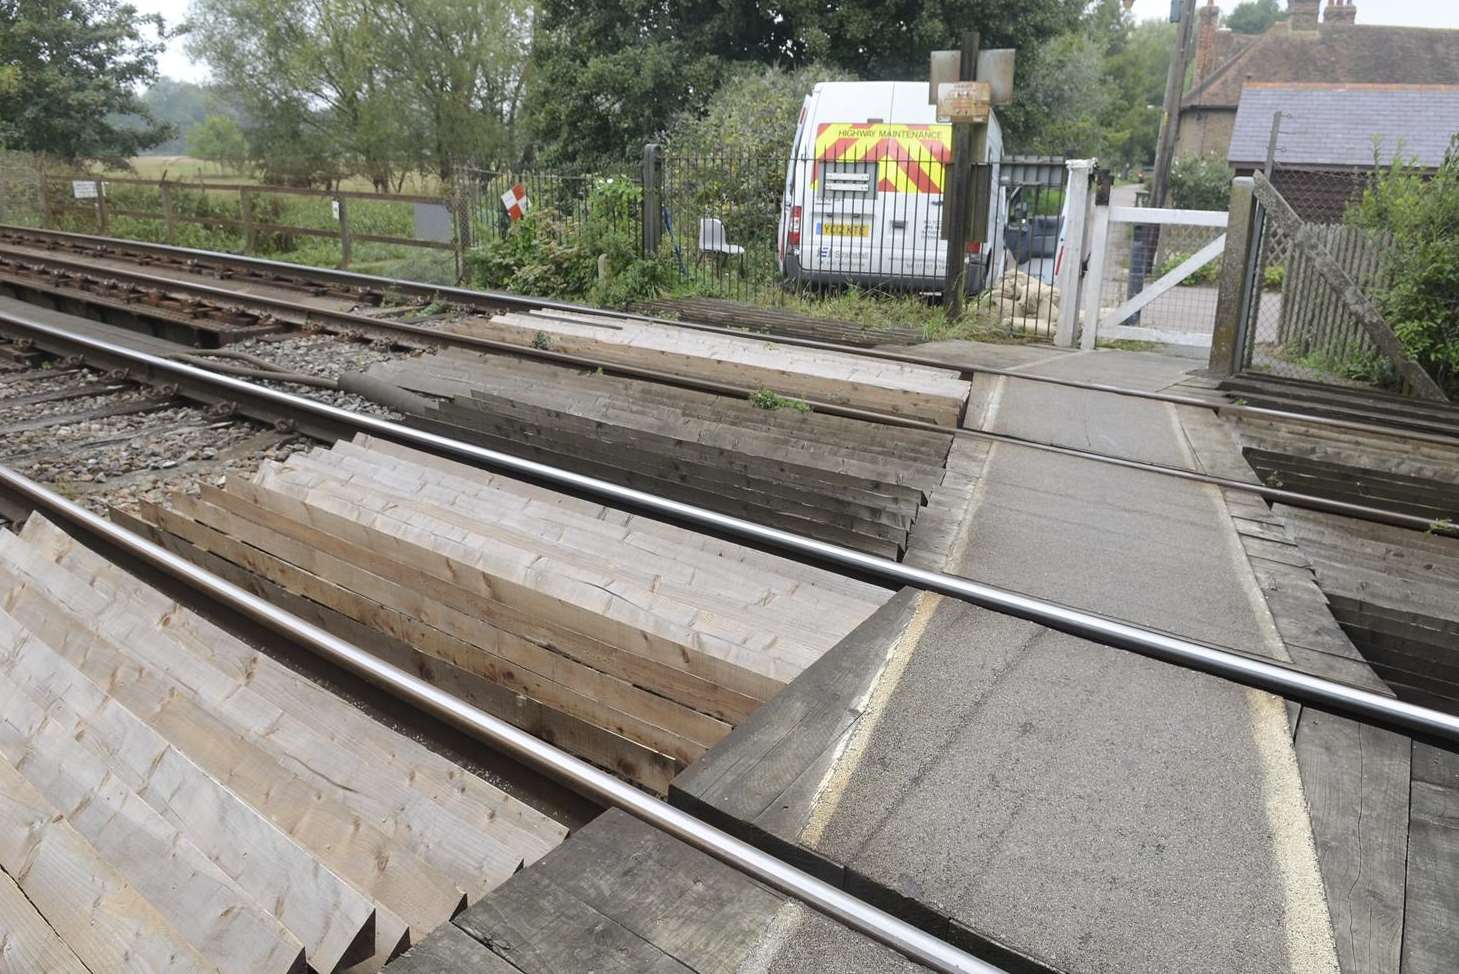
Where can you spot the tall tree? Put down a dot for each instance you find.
(371, 84)
(635, 64)
(1255, 16)
(69, 69)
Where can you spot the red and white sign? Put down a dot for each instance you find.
(515, 200)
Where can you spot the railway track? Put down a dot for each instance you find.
(376, 292)
(231, 417)
(228, 312)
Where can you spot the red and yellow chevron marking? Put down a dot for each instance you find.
(909, 158)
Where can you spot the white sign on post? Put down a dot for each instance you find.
(964, 102)
(334, 208)
(83, 189)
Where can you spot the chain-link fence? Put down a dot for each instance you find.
(1298, 324)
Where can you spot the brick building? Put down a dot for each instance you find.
(1305, 49)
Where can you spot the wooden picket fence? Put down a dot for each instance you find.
(1315, 318)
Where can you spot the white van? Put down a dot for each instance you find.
(864, 188)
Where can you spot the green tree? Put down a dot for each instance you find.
(73, 68)
(1255, 16)
(181, 104)
(1065, 98)
(368, 85)
(607, 75)
(219, 139)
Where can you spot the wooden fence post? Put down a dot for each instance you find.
(169, 215)
(343, 215)
(650, 176)
(1226, 344)
(245, 209)
(43, 195)
(101, 220)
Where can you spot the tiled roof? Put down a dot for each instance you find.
(1335, 53)
(1339, 125)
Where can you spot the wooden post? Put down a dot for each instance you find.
(344, 233)
(1174, 87)
(1076, 225)
(43, 195)
(101, 220)
(956, 199)
(1227, 338)
(1099, 248)
(169, 214)
(245, 210)
(650, 176)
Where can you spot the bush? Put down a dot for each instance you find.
(1200, 183)
(547, 254)
(1273, 277)
(1422, 303)
(1209, 274)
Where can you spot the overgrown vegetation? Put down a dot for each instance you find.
(1422, 302)
(1200, 183)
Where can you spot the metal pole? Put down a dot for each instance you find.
(902, 937)
(1325, 695)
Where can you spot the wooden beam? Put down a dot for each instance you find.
(1168, 217)
(30, 943)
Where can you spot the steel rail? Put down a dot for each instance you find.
(349, 321)
(1322, 694)
(911, 942)
(1440, 433)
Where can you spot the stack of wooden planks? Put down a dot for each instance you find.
(777, 321)
(634, 644)
(171, 800)
(1396, 594)
(846, 481)
(915, 391)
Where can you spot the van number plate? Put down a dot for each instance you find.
(846, 230)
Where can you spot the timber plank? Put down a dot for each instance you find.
(450, 950)
(541, 928)
(1431, 916)
(478, 803)
(332, 920)
(652, 533)
(466, 851)
(468, 656)
(27, 942)
(687, 561)
(107, 923)
(429, 574)
(198, 899)
(581, 606)
(739, 597)
(367, 855)
(1357, 782)
(587, 740)
(763, 756)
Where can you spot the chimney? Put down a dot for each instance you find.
(1303, 14)
(1210, 23)
(1341, 12)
